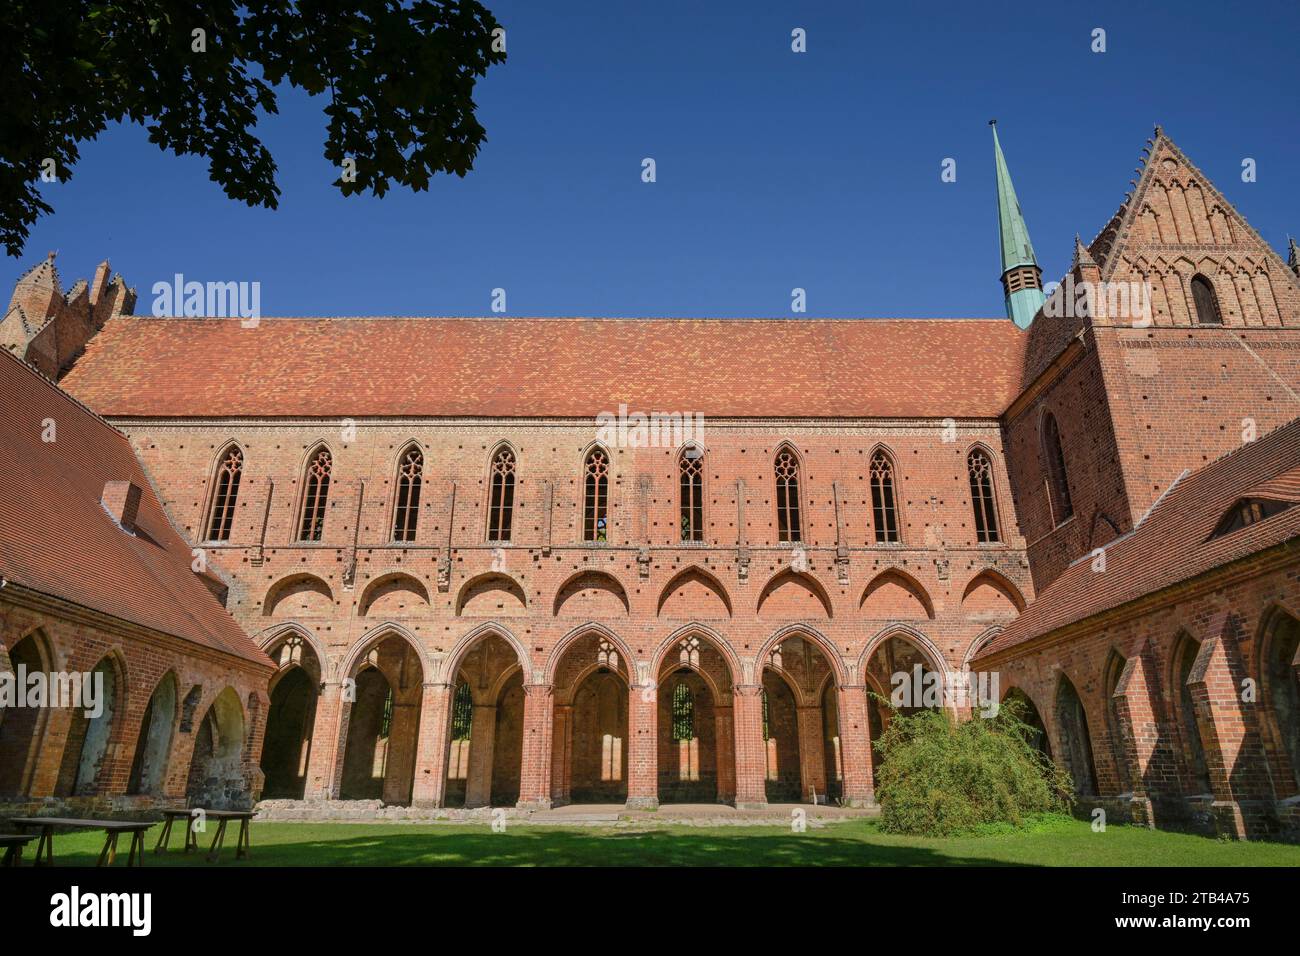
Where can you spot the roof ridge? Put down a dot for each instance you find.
(67, 395)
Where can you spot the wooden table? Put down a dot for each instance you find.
(13, 844)
(112, 830)
(243, 845)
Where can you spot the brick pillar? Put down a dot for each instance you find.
(430, 788)
(812, 752)
(859, 789)
(535, 770)
(561, 754)
(409, 714)
(482, 741)
(328, 732)
(725, 752)
(643, 748)
(46, 759)
(751, 755)
(1139, 733)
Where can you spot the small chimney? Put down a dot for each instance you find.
(122, 501)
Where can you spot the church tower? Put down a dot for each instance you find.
(1022, 280)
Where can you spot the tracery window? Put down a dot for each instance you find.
(691, 468)
(884, 510)
(315, 496)
(981, 495)
(788, 527)
(410, 479)
(595, 496)
(224, 494)
(501, 496)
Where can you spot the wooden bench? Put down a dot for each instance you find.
(13, 844)
(112, 830)
(243, 845)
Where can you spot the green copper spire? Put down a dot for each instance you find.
(1022, 280)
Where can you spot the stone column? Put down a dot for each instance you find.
(535, 772)
(482, 741)
(430, 786)
(751, 756)
(643, 748)
(855, 746)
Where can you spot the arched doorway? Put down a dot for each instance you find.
(149, 765)
(591, 722)
(22, 729)
(1186, 649)
(216, 776)
(487, 718)
(1076, 742)
(89, 733)
(1030, 716)
(908, 679)
(383, 723)
(1281, 666)
(796, 675)
(286, 746)
(696, 729)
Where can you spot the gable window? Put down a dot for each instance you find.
(1058, 485)
(224, 494)
(410, 477)
(315, 496)
(787, 496)
(980, 470)
(1205, 301)
(884, 512)
(1247, 511)
(595, 496)
(690, 466)
(501, 497)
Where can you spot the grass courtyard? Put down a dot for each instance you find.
(1052, 841)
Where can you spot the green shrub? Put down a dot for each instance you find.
(938, 778)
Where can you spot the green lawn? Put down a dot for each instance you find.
(1051, 842)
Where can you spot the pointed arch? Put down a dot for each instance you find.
(493, 593)
(1205, 302)
(810, 634)
(1032, 716)
(153, 746)
(796, 594)
(502, 467)
(223, 491)
(272, 637)
(786, 469)
(983, 494)
(455, 657)
(376, 636)
(89, 739)
(1072, 728)
(575, 635)
(1112, 671)
(592, 593)
(1186, 650)
(885, 517)
(893, 594)
(1059, 501)
(696, 586)
(659, 658)
(690, 475)
(407, 488)
(991, 594)
(595, 495)
(1279, 656)
(912, 635)
(395, 592)
(299, 594)
(23, 731)
(313, 496)
(216, 763)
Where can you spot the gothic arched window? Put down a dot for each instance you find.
(884, 511)
(225, 492)
(683, 713)
(1206, 302)
(1058, 485)
(980, 470)
(315, 496)
(501, 496)
(410, 478)
(690, 466)
(595, 496)
(788, 527)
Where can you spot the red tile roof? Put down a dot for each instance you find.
(803, 368)
(1173, 543)
(56, 537)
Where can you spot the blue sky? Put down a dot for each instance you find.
(775, 170)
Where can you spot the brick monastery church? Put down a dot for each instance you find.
(307, 571)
